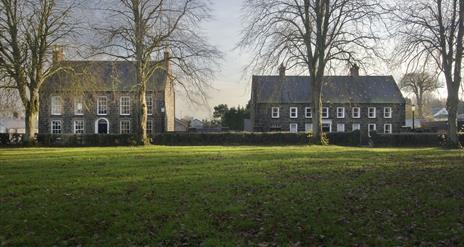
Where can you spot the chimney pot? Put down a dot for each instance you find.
(58, 54)
(354, 70)
(282, 70)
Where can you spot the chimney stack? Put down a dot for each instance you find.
(58, 54)
(354, 70)
(282, 70)
(167, 61)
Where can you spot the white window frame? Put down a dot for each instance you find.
(389, 115)
(294, 129)
(308, 127)
(369, 128)
(149, 99)
(99, 105)
(330, 126)
(356, 110)
(56, 106)
(75, 126)
(295, 111)
(385, 128)
(327, 111)
(369, 112)
(150, 123)
(275, 112)
(342, 115)
(124, 105)
(128, 127)
(340, 129)
(358, 126)
(78, 102)
(52, 127)
(308, 112)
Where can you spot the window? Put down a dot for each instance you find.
(340, 127)
(124, 105)
(308, 112)
(56, 127)
(356, 112)
(275, 112)
(102, 105)
(371, 112)
(124, 127)
(57, 105)
(309, 127)
(387, 129)
(78, 106)
(387, 112)
(325, 112)
(149, 126)
(372, 127)
(356, 126)
(78, 126)
(326, 127)
(149, 104)
(340, 112)
(293, 112)
(293, 127)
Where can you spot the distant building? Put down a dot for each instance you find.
(13, 125)
(196, 124)
(181, 125)
(365, 103)
(440, 114)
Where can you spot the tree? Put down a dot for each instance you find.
(434, 30)
(312, 35)
(420, 84)
(233, 118)
(220, 111)
(143, 30)
(28, 32)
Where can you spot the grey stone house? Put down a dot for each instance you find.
(99, 97)
(367, 103)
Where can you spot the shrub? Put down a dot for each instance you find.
(4, 139)
(408, 139)
(85, 140)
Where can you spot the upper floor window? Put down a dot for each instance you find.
(325, 112)
(78, 106)
(275, 112)
(149, 104)
(308, 112)
(56, 127)
(124, 105)
(78, 126)
(293, 112)
(340, 112)
(149, 126)
(371, 112)
(57, 105)
(356, 112)
(124, 126)
(387, 129)
(102, 105)
(387, 112)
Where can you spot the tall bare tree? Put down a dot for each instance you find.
(143, 30)
(434, 30)
(29, 29)
(313, 35)
(420, 84)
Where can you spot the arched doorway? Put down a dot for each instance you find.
(102, 126)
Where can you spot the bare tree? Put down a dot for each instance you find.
(28, 32)
(143, 30)
(312, 35)
(434, 30)
(420, 84)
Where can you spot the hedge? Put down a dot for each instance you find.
(250, 138)
(411, 139)
(7, 139)
(70, 140)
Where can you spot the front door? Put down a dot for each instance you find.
(102, 126)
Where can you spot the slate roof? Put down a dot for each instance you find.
(103, 76)
(336, 89)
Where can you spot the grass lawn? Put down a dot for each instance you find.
(231, 196)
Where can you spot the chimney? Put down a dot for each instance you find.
(58, 54)
(354, 70)
(282, 70)
(167, 61)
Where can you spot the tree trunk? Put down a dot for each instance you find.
(317, 112)
(142, 111)
(32, 109)
(452, 108)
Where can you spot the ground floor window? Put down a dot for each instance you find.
(387, 129)
(78, 126)
(356, 126)
(340, 127)
(293, 127)
(149, 126)
(57, 127)
(124, 127)
(308, 127)
(326, 127)
(371, 128)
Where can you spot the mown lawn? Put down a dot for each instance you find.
(231, 196)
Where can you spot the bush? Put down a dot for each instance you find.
(4, 139)
(408, 140)
(85, 140)
(7, 139)
(249, 138)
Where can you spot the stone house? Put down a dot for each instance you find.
(353, 102)
(99, 97)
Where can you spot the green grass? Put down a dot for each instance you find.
(231, 196)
